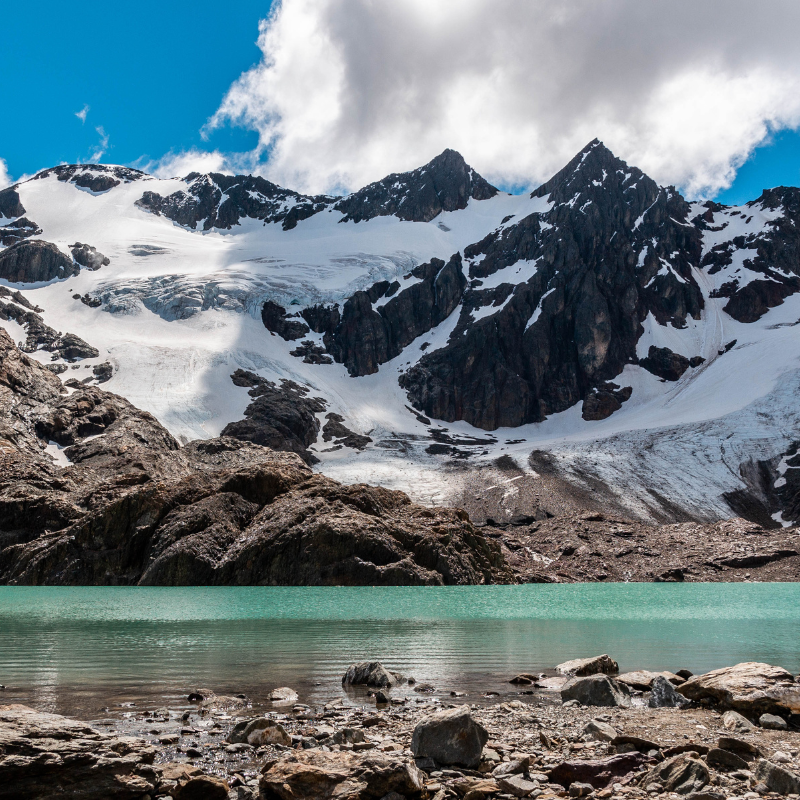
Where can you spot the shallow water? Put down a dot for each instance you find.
(75, 650)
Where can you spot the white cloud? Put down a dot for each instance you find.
(81, 115)
(349, 90)
(178, 165)
(101, 147)
(5, 178)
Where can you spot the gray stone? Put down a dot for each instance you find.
(717, 757)
(272, 733)
(734, 721)
(772, 722)
(596, 690)
(580, 789)
(450, 737)
(777, 779)
(663, 695)
(514, 767)
(600, 730)
(681, 774)
(517, 785)
(595, 665)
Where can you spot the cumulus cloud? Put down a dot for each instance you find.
(81, 115)
(5, 178)
(349, 90)
(177, 165)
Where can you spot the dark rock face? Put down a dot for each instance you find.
(88, 256)
(16, 231)
(576, 322)
(311, 353)
(10, 205)
(275, 320)
(96, 178)
(663, 363)
(134, 508)
(281, 417)
(335, 429)
(445, 184)
(39, 335)
(34, 262)
(775, 254)
(604, 400)
(365, 337)
(220, 201)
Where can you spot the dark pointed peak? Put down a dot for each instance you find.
(446, 183)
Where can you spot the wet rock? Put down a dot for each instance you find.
(596, 690)
(46, 755)
(776, 779)
(596, 772)
(283, 695)
(35, 262)
(450, 737)
(595, 665)
(273, 733)
(370, 673)
(734, 721)
(681, 774)
(663, 695)
(772, 722)
(524, 679)
(751, 688)
(315, 773)
(381, 697)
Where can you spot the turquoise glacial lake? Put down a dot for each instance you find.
(75, 650)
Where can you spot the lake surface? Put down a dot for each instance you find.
(75, 650)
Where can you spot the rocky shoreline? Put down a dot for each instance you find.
(581, 730)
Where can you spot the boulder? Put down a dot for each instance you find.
(283, 695)
(370, 673)
(600, 730)
(517, 785)
(681, 774)
(772, 722)
(663, 695)
(634, 743)
(47, 755)
(775, 778)
(345, 776)
(272, 733)
(596, 690)
(734, 721)
(745, 750)
(643, 679)
(597, 772)
(524, 679)
(751, 688)
(596, 665)
(201, 787)
(725, 759)
(35, 262)
(515, 767)
(450, 737)
(580, 789)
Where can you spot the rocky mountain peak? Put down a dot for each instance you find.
(446, 183)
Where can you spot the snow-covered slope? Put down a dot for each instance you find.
(178, 309)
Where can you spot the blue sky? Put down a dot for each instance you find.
(151, 74)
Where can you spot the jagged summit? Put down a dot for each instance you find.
(446, 183)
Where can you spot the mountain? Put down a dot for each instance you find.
(598, 344)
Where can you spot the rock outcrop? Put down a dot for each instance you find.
(447, 183)
(35, 262)
(88, 256)
(134, 508)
